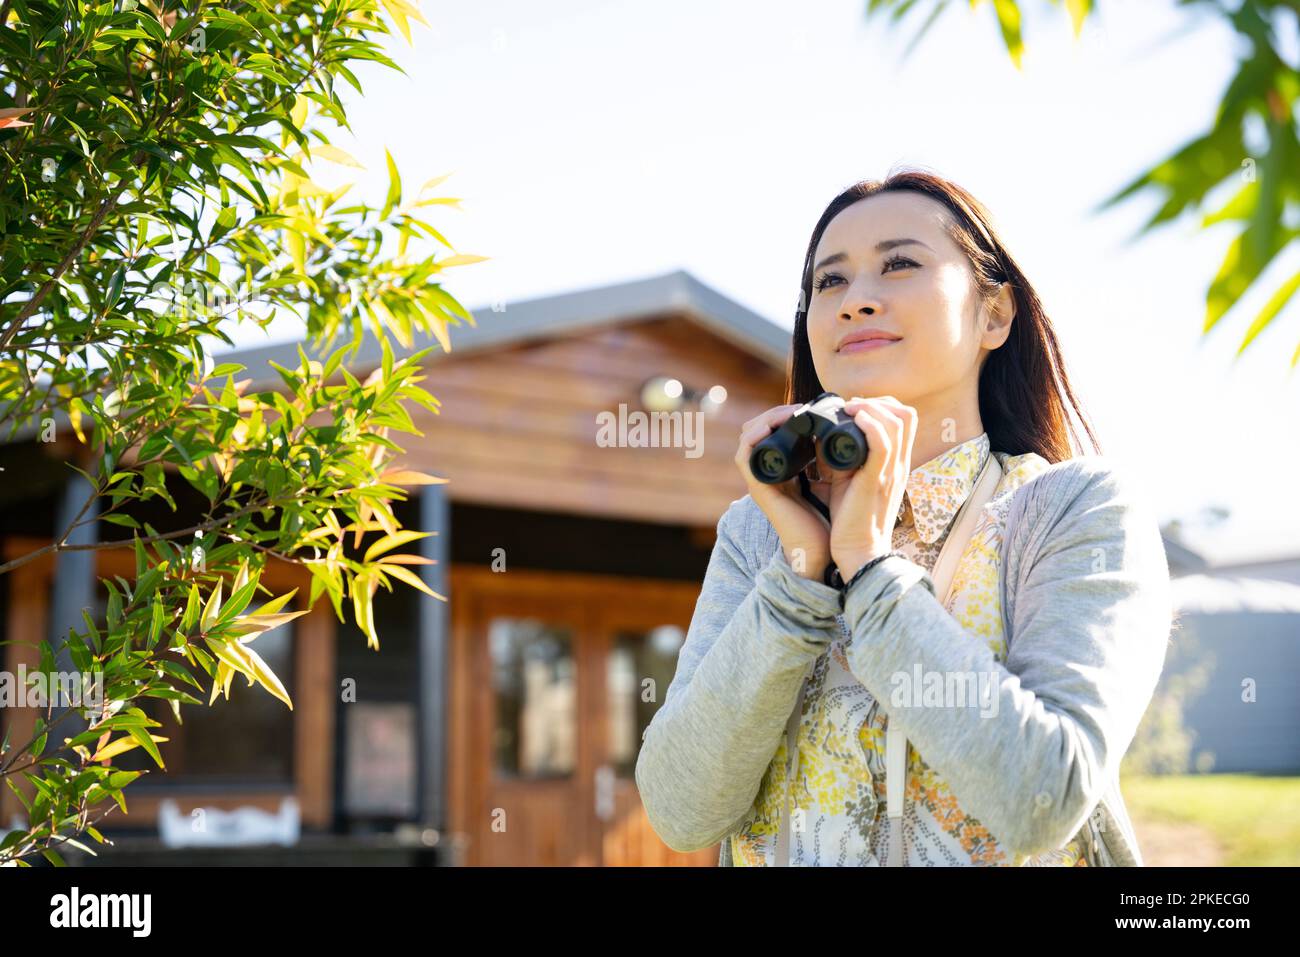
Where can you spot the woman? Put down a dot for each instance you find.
(1059, 609)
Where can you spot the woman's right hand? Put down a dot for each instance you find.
(802, 531)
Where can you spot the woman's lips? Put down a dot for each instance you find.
(863, 345)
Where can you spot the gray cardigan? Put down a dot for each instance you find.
(1086, 612)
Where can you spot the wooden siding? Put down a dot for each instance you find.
(518, 426)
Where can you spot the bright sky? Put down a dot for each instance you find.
(601, 142)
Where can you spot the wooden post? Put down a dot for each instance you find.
(435, 516)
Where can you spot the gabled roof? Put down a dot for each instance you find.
(1182, 559)
(676, 292)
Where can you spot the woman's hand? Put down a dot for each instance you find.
(865, 502)
(802, 531)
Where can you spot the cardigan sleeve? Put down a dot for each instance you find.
(705, 751)
(1089, 630)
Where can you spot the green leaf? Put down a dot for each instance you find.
(114, 289)
(191, 616)
(156, 618)
(237, 603)
(146, 741)
(141, 558)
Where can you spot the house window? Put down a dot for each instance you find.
(246, 741)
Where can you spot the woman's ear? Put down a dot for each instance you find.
(998, 316)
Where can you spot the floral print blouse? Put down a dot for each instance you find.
(840, 792)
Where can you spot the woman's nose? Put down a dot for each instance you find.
(860, 307)
(860, 300)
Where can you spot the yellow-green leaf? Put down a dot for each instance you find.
(400, 10)
(211, 609)
(406, 560)
(412, 579)
(1008, 12)
(297, 249)
(121, 745)
(394, 185)
(335, 155)
(431, 183)
(461, 259)
(440, 332)
(256, 624)
(1079, 10)
(362, 609)
(389, 542)
(266, 677)
(275, 604)
(398, 18)
(409, 477)
(74, 417)
(1271, 309)
(223, 673)
(229, 653)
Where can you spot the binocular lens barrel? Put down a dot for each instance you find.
(842, 449)
(771, 463)
(780, 457)
(787, 451)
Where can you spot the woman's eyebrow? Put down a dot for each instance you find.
(882, 246)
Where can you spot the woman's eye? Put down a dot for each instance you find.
(821, 282)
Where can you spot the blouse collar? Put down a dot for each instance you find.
(937, 489)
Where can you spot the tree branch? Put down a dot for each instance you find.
(29, 308)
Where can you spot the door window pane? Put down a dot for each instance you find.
(641, 666)
(535, 694)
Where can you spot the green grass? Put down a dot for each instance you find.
(1255, 817)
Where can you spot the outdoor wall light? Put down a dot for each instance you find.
(663, 393)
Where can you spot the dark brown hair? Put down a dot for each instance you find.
(1024, 392)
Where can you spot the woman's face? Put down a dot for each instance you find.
(888, 263)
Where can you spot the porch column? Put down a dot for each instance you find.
(74, 574)
(435, 624)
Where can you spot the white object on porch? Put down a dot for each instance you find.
(214, 827)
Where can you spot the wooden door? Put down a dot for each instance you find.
(554, 677)
(635, 652)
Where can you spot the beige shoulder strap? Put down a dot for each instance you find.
(895, 741)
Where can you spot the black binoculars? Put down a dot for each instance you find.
(787, 451)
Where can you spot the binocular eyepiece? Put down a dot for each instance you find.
(787, 451)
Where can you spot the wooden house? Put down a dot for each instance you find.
(503, 724)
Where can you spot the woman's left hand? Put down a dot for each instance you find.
(865, 503)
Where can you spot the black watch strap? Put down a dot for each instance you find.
(835, 580)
